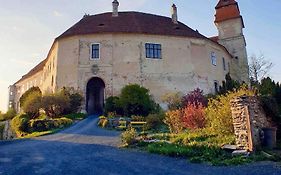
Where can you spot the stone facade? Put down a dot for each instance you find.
(248, 120)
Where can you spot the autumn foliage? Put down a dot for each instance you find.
(193, 116)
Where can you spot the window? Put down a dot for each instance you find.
(223, 64)
(213, 59)
(95, 51)
(153, 51)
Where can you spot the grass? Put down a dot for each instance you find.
(77, 116)
(201, 147)
(38, 134)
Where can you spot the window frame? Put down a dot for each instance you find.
(153, 51)
(213, 59)
(91, 51)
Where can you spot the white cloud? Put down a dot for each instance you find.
(57, 14)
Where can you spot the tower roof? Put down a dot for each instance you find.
(223, 3)
(226, 10)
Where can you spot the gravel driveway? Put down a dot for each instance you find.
(85, 149)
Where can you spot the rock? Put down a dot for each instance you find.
(229, 147)
(240, 153)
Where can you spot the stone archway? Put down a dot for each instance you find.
(95, 96)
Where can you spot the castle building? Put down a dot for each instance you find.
(102, 53)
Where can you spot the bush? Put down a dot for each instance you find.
(112, 105)
(75, 100)
(174, 121)
(193, 116)
(75, 116)
(218, 112)
(103, 121)
(138, 118)
(135, 100)
(129, 136)
(55, 104)
(11, 113)
(27, 93)
(19, 125)
(154, 121)
(39, 125)
(173, 100)
(2, 126)
(32, 104)
(195, 97)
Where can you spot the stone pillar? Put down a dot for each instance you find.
(248, 119)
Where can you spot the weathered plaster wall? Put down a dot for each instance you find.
(185, 64)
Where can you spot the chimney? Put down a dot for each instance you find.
(115, 5)
(174, 14)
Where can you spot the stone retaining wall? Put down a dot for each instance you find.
(248, 120)
(7, 132)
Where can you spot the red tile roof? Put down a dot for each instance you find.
(223, 3)
(130, 22)
(227, 9)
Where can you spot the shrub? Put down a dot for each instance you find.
(174, 121)
(32, 104)
(11, 113)
(135, 100)
(138, 118)
(19, 125)
(27, 93)
(2, 126)
(103, 121)
(218, 112)
(193, 116)
(75, 100)
(75, 116)
(129, 136)
(112, 104)
(195, 97)
(55, 104)
(39, 125)
(154, 121)
(173, 100)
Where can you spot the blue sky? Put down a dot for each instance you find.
(28, 28)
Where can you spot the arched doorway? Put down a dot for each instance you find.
(95, 96)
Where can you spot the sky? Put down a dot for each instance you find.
(28, 28)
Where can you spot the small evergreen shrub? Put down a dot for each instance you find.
(39, 125)
(19, 124)
(75, 116)
(135, 100)
(112, 104)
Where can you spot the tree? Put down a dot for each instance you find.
(229, 84)
(259, 67)
(32, 105)
(27, 93)
(267, 87)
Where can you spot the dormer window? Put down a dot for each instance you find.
(95, 51)
(153, 51)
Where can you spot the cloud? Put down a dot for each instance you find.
(57, 14)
